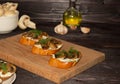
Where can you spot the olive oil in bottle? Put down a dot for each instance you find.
(72, 17)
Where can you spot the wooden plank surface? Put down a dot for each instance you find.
(12, 51)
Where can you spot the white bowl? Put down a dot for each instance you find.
(8, 23)
(10, 80)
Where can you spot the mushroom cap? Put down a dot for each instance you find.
(21, 23)
(13, 6)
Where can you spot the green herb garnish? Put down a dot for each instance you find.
(44, 41)
(60, 54)
(36, 32)
(71, 53)
(3, 66)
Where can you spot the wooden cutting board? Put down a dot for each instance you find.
(20, 55)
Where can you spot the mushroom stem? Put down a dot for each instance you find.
(30, 24)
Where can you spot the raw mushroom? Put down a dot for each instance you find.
(61, 29)
(21, 23)
(1, 11)
(10, 6)
(30, 24)
(8, 9)
(10, 13)
(6, 6)
(13, 6)
(25, 22)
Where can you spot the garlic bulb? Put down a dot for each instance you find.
(85, 30)
(61, 29)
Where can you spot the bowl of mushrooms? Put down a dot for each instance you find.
(8, 17)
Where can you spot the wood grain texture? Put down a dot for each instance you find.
(12, 51)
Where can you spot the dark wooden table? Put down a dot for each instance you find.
(103, 37)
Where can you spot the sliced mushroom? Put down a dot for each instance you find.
(52, 46)
(25, 22)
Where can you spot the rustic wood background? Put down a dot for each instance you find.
(100, 11)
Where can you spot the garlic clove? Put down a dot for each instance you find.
(85, 30)
(61, 29)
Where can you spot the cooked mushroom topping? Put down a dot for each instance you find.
(35, 34)
(49, 43)
(52, 45)
(43, 35)
(6, 67)
(71, 53)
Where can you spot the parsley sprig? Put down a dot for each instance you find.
(44, 41)
(71, 53)
(36, 32)
(3, 66)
